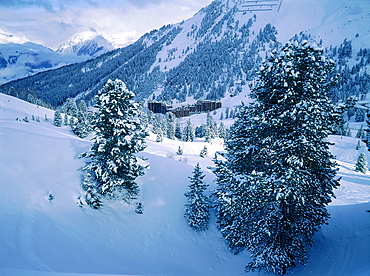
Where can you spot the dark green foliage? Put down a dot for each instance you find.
(222, 131)
(58, 119)
(80, 125)
(204, 152)
(139, 208)
(188, 133)
(112, 162)
(179, 151)
(197, 208)
(361, 164)
(178, 131)
(279, 162)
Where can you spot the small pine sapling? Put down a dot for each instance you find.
(179, 151)
(358, 145)
(203, 152)
(139, 208)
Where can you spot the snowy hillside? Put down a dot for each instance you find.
(52, 237)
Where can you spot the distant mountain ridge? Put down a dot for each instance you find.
(88, 43)
(213, 55)
(19, 59)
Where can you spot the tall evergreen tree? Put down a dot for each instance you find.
(80, 125)
(278, 153)
(361, 164)
(112, 161)
(188, 133)
(170, 119)
(82, 106)
(58, 121)
(70, 107)
(197, 208)
(222, 131)
(178, 132)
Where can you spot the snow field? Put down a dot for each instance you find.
(57, 237)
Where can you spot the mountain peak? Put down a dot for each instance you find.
(89, 43)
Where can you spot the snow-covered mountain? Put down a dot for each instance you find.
(43, 236)
(20, 58)
(26, 59)
(215, 54)
(88, 43)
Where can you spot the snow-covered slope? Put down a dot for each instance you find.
(42, 237)
(88, 43)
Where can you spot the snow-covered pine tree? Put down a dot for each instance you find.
(358, 145)
(159, 137)
(170, 119)
(188, 133)
(229, 207)
(222, 131)
(70, 107)
(178, 132)
(82, 106)
(279, 157)
(179, 151)
(360, 133)
(197, 208)
(112, 160)
(80, 125)
(211, 131)
(65, 120)
(58, 121)
(361, 164)
(203, 153)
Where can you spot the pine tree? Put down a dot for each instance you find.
(279, 158)
(188, 133)
(179, 151)
(82, 106)
(58, 119)
(228, 212)
(178, 132)
(361, 164)
(211, 131)
(360, 133)
(203, 152)
(170, 126)
(112, 160)
(358, 145)
(197, 208)
(80, 125)
(70, 107)
(222, 131)
(66, 121)
(159, 137)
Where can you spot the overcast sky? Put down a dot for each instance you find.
(51, 22)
